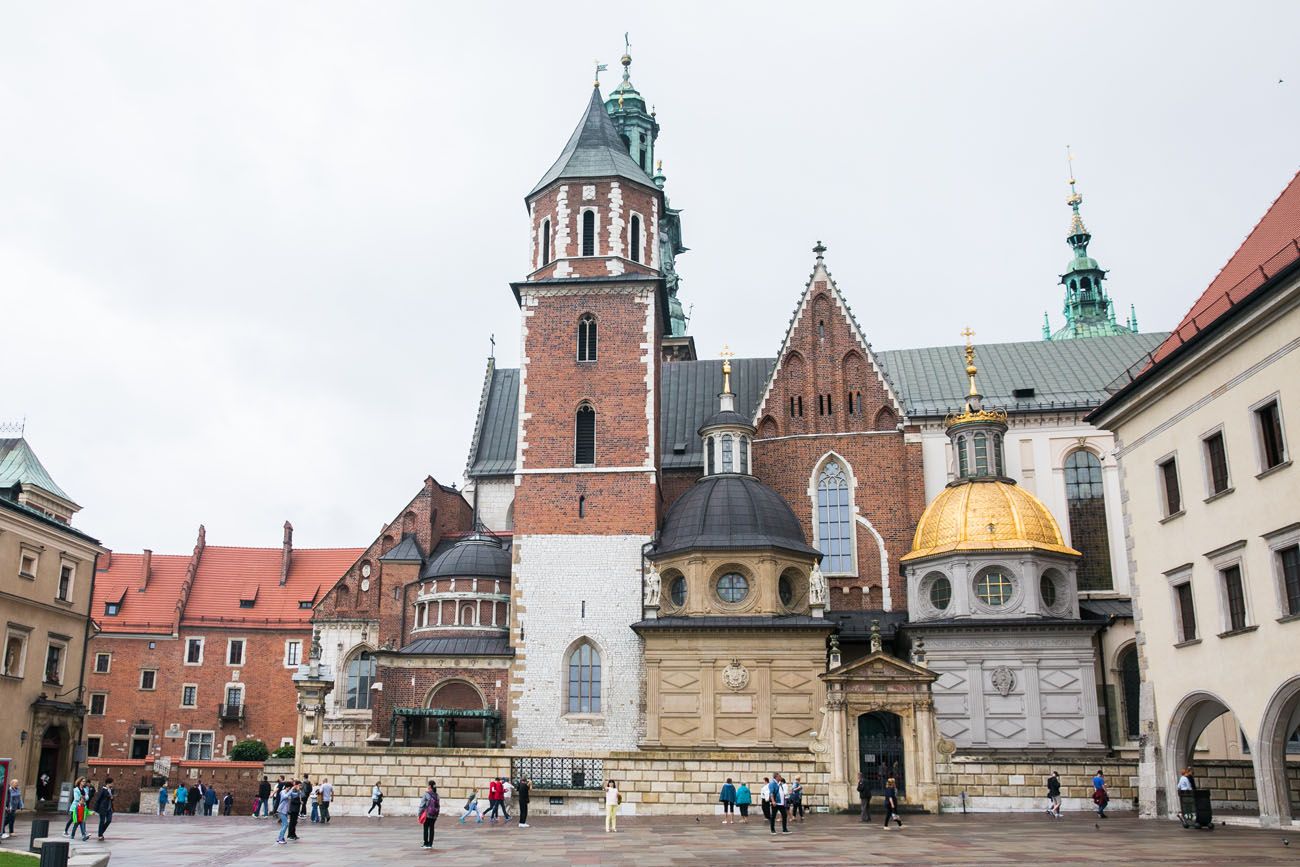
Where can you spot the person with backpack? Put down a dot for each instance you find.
(104, 806)
(162, 800)
(227, 804)
(430, 807)
(1054, 795)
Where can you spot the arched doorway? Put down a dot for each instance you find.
(1279, 748)
(880, 750)
(49, 764)
(1186, 725)
(456, 732)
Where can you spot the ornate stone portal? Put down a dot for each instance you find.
(313, 681)
(880, 689)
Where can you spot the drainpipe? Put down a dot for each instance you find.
(81, 679)
(1105, 693)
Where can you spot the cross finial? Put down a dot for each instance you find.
(971, 370)
(727, 355)
(968, 333)
(492, 338)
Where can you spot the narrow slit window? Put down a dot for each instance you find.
(981, 454)
(584, 446)
(587, 338)
(727, 466)
(546, 242)
(1173, 494)
(634, 241)
(744, 455)
(588, 233)
(1272, 445)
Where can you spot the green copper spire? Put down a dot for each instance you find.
(1089, 311)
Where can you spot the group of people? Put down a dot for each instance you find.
(500, 791)
(86, 800)
(189, 800)
(290, 800)
(777, 797)
(1100, 797)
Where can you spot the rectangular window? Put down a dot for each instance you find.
(1288, 561)
(111, 609)
(1173, 495)
(292, 653)
(15, 660)
(1235, 596)
(102, 662)
(1186, 611)
(94, 746)
(27, 563)
(1272, 445)
(97, 702)
(194, 651)
(148, 679)
(54, 664)
(67, 573)
(1216, 463)
(198, 746)
(190, 695)
(235, 651)
(234, 696)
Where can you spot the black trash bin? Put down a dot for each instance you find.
(40, 828)
(1195, 810)
(55, 854)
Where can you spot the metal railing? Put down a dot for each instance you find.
(558, 772)
(233, 712)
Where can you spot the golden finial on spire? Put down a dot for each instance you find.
(727, 355)
(973, 410)
(971, 369)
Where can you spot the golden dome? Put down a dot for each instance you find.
(986, 516)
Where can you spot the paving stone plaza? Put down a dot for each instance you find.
(146, 841)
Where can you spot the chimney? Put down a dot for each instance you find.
(144, 569)
(288, 553)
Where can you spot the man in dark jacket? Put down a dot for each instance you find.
(294, 795)
(264, 799)
(104, 806)
(306, 795)
(1054, 795)
(864, 795)
(524, 789)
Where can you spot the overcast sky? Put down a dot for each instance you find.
(251, 253)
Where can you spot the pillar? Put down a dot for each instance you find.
(840, 785)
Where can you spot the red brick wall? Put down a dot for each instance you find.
(615, 385)
(270, 700)
(135, 784)
(645, 201)
(406, 687)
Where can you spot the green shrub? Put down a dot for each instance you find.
(284, 752)
(249, 751)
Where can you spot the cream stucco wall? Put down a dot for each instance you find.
(1217, 387)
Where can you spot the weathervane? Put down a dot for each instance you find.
(600, 67)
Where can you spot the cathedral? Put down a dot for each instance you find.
(835, 560)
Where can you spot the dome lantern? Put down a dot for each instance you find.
(728, 435)
(976, 433)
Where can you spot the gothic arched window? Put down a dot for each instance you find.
(587, 337)
(834, 519)
(1086, 504)
(584, 435)
(634, 238)
(584, 679)
(546, 242)
(588, 233)
(361, 674)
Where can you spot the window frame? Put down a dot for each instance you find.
(103, 704)
(140, 683)
(1130, 722)
(1162, 484)
(1097, 569)
(70, 566)
(63, 645)
(243, 651)
(195, 703)
(1009, 579)
(25, 551)
(845, 562)
(1223, 561)
(369, 680)
(1275, 400)
(745, 591)
(595, 232)
(544, 248)
(234, 686)
(24, 639)
(108, 664)
(1207, 463)
(1278, 541)
(594, 680)
(287, 656)
(635, 237)
(202, 640)
(211, 744)
(1182, 578)
(94, 746)
(588, 348)
(583, 408)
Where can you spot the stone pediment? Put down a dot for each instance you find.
(881, 667)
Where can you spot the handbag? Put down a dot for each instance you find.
(424, 815)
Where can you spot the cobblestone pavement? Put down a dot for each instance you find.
(137, 841)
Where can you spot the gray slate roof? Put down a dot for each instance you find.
(595, 150)
(478, 556)
(728, 513)
(1069, 374)
(407, 551)
(1107, 608)
(19, 465)
(460, 647)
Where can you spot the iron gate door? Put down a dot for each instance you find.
(880, 751)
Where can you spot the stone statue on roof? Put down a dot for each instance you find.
(653, 588)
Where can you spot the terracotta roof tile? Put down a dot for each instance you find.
(150, 611)
(1272, 245)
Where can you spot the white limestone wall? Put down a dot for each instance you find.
(338, 641)
(567, 588)
(495, 497)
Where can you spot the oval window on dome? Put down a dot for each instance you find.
(733, 587)
(677, 591)
(785, 587)
(994, 588)
(940, 593)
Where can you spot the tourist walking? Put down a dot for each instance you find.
(494, 799)
(765, 798)
(777, 805)
(13, 803)
(507, 795)
(743, 800)
(525, 789)
(227, 804)
(263, 802)
(430, 807)
(796, 800)
(77, 810)
(612, 799)
(282, 813)
(1054, 795)
(163, 798)
(376, 800)
(192, 803)
(1100, 796)
(306, 794)
(728, 798)
(864, 795)
(294, 797)
(104, 806)
(891, 803)
(471, 807)
(315, 806)
(326, 798)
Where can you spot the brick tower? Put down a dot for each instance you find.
(593, 311)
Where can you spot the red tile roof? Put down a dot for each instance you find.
(1272, 245)
(225, 575)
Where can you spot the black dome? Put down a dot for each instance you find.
(477, 556)
(731, 511)
(728, 417)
